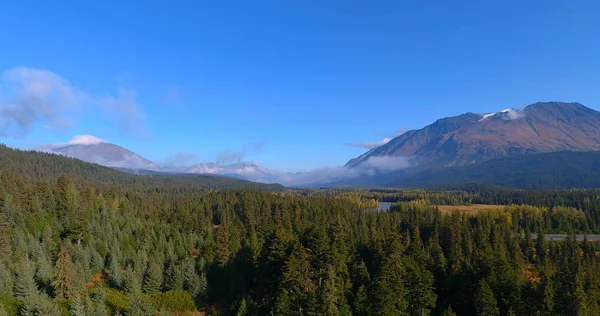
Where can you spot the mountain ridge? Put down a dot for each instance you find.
(473, 138)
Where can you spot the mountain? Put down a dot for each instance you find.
(474, 138)
(107, 154)
(95, 150)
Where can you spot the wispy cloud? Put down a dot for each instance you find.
(126, 114)
(29, 97)
(228, 156)
(369, 145)
(181, 159)
(374, 165)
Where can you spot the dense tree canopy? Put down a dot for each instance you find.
(104, 247)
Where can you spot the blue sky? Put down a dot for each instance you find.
(286, 83)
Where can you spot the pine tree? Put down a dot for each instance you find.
(297, 279)
(6, 280)
(484, 301)
(63, 277)
(421, 292)
(242, 308)
(24, 287)
(45, 270)
(174, 279)
(99, 303)
(154, 278)
(138, 306)
(361, 302)
(116, 274)
(78, 307)
(449, 312)
(389, 291)
(192, 281)
(132, 282)
(282, 304)
(47, 307)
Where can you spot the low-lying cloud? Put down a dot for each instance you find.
(386, 163)
(29, 97)
(375, 165)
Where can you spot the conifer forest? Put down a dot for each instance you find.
(79, 239)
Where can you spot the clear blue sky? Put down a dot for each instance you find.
(302, 78)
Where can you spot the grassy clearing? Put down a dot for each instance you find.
(475, 208)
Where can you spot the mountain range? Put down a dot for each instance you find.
(505, 148)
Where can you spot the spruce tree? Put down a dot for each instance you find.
(154, 278)
(78, 307)
(63, 277)
(484, 301)
(389, 291)
(192, 281)
(449, 312)
(6, 280)
(174, 279)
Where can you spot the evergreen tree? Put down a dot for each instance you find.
(99, 301)
(174, 279)
(116, 273)
(78, 307)
(154, 278)
(138, 306)
(484, 301)
(192, 281)
(361, 306)
(389, 291)
(6, 280)
(63, 277)
(421, 292)
(242, 308)
(448, 312)
(282, 305)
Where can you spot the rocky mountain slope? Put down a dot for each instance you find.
(473, 138)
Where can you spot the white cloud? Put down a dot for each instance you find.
(31, 97)
(512, 114)
(386, 163)
(370, 145)
(381, 164)
(85, 140)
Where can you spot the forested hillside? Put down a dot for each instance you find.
(93, 249)
(31, 165)
(548, 171)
